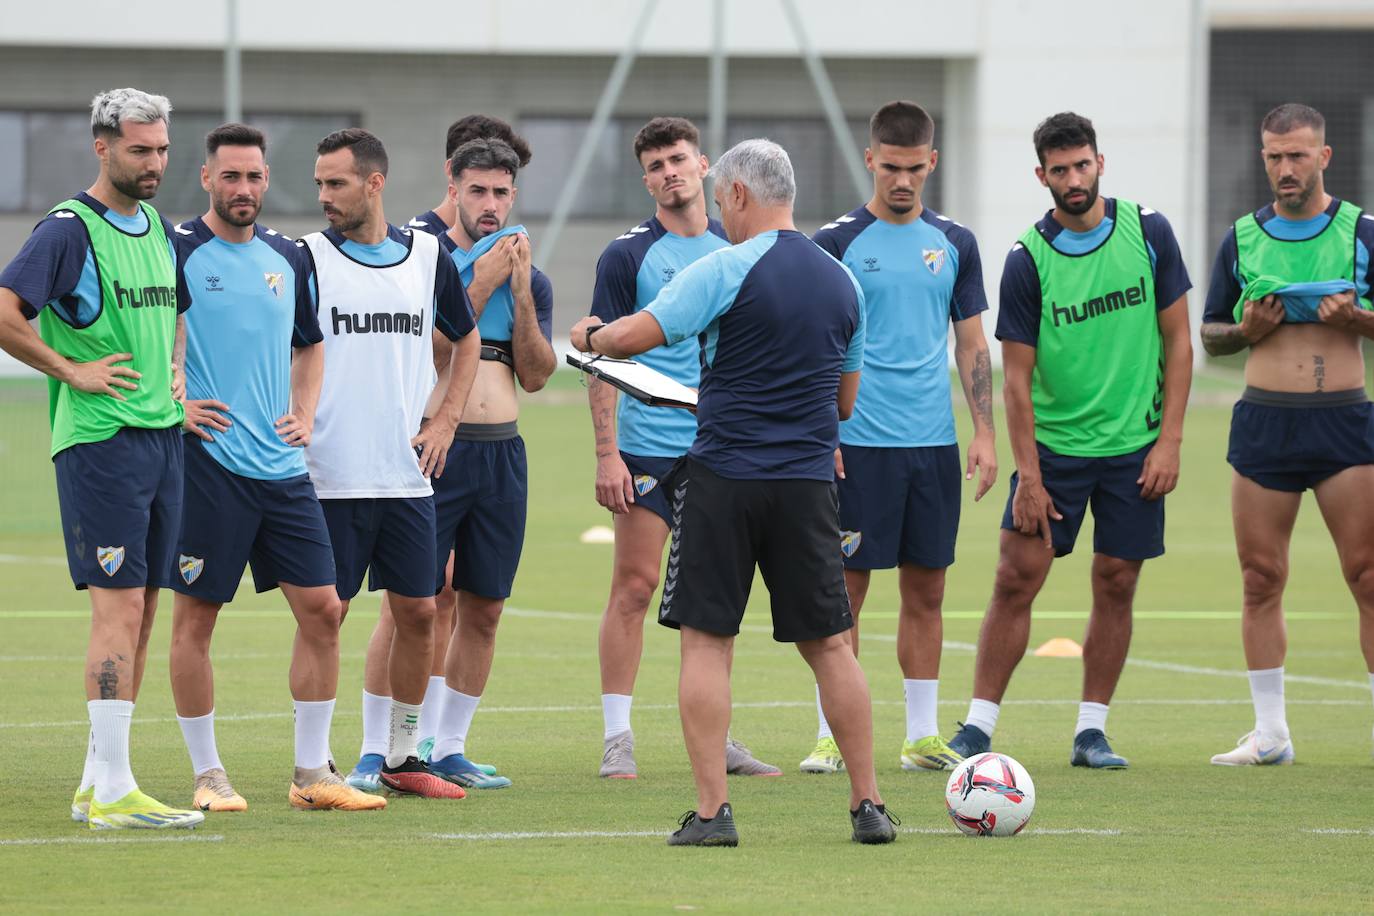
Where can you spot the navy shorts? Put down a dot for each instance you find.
(647, 474)
(725, 528)
(899, 505)
(479, 506)
(274, 526)
(1294, 442)
(120, 501)
(1125, 526)
(391, 536)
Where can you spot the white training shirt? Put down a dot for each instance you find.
(378, 370)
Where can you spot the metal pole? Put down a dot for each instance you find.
(853, 159)
(1199, 91)
(567, 196)
(716, 130)
(233, 77)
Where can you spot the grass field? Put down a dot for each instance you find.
(1171, 834)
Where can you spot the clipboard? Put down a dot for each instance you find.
(646, 385)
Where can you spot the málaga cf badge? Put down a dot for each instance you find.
(934, 259)
(276, 283)
(191, 568)
(645, 484)
(850, 541)
(110, 559)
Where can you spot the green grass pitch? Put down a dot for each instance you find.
(1172, 833)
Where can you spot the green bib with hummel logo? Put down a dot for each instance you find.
(137, 315)
(1098, 387)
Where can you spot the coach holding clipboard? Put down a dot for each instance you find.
(782, 330)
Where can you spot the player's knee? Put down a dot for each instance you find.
(319, 619)
(481, 617)
(1014, 587)
(1116, 582)
(1262, 578)
(1360, 577)
(631, 592)
(414, 616)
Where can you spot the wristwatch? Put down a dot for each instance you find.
(590, 331)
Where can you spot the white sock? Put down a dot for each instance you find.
(1091, 715)
(1371, 682)
(110, 721)
(312, 732)
(615, 712)
(199, 734)
(433, 702)
(452, 737)
(405, 733)
(88, 771)
(1266, 692)
(982, 715)
(376, 724)
(922, 698)
(823, 729)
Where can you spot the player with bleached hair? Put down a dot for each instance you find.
(99, 273)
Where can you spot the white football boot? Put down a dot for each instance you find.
(1256, 749)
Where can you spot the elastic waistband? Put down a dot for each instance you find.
(1346, 398)
(486, 432)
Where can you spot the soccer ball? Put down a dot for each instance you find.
(990, 795)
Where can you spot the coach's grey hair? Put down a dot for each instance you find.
(110, 109)
(761, 166)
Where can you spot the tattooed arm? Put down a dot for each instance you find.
(975, 373)
(614, 487)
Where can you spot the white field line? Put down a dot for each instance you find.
(42, 561)
(549, 835)
(1341, 831)
(672, 707)
(1033, 831)
(105, 840)
(617, 834)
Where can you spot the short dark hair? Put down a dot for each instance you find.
(901, 124)
(661, 132)
(234, 134)
(1292, 116)
(477, 126)
(484, 153)
(369, 155)
(1065, 130)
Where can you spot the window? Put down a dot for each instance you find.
(613, 187)
(48, 156)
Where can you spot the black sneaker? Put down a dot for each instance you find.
(694, 831)
(873, 823)
(970, 741)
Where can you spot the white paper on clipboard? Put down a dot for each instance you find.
(636, 379)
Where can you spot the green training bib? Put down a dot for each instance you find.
(1098, 386)
(1328, 255)
(137, 315)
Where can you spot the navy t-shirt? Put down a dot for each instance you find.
(779, 320)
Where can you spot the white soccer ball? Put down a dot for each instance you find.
(990, 795)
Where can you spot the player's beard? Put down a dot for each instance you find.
(347, 222)
(474, 229)
(224, 209)
(1083, 206)
(901, 206)
(1296, 198)
(129, 184)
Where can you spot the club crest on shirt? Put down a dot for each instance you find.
(110, 559)
(934, 259)
(191, 568)
(644, 484)
(276, 283)
(850, 541)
